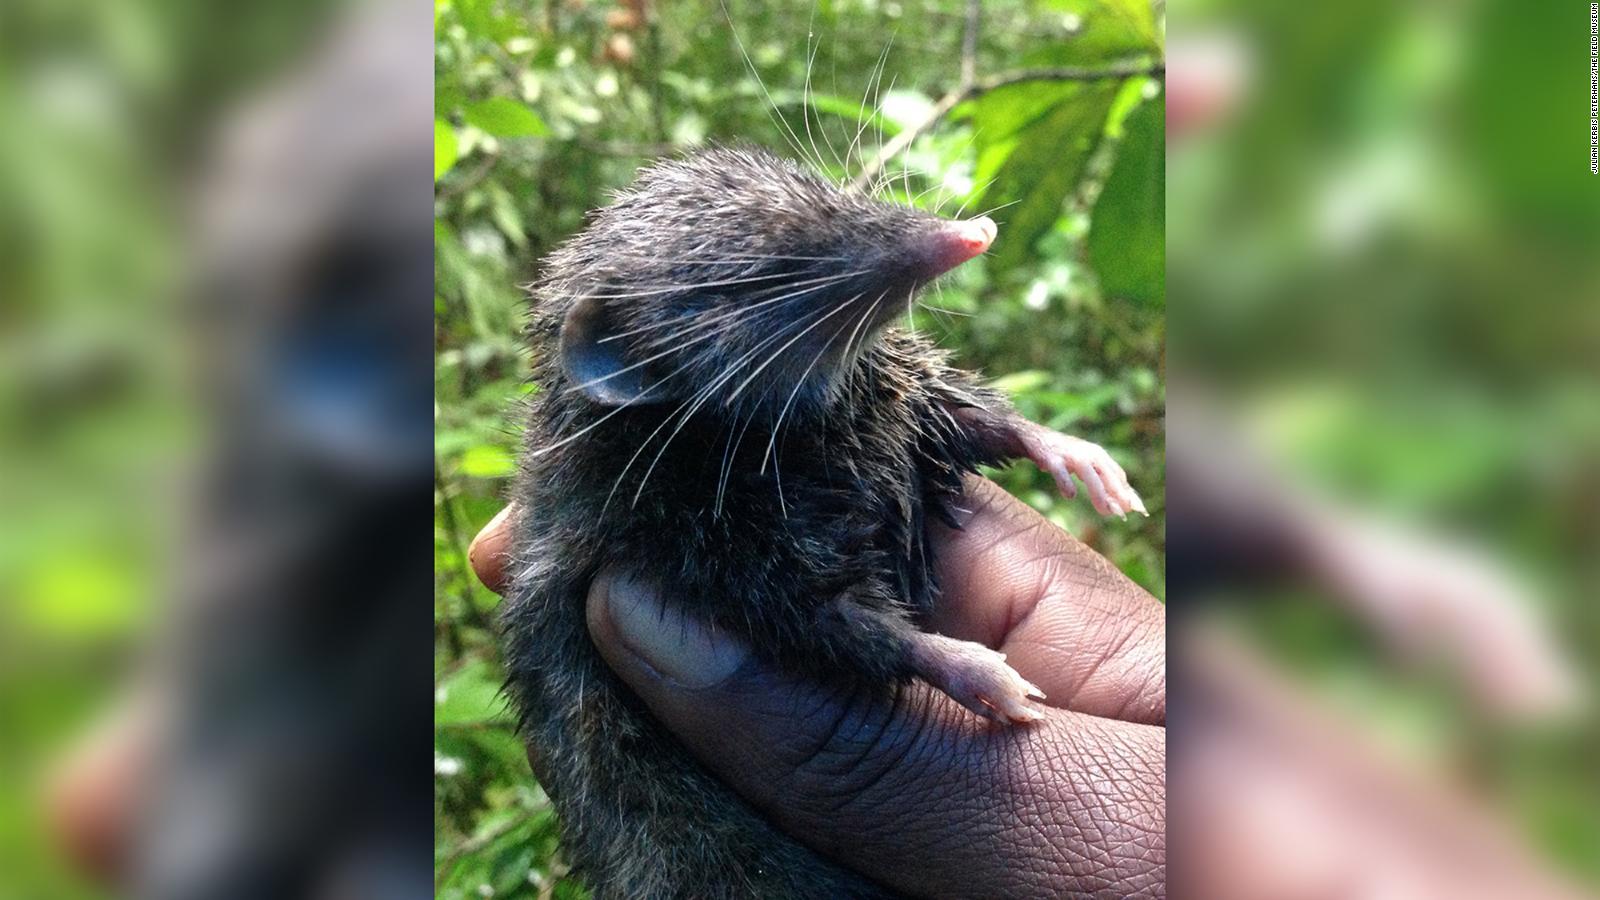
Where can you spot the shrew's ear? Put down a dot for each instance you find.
(597, 362)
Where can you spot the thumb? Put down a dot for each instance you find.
(908, 789)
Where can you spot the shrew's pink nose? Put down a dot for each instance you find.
(953, 243)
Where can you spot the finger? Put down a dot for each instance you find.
(918, 794)
(1065, 617)
(489, 550)
(93, 794)
(1310, 801)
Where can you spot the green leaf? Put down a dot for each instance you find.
(1111, 29)
(1129, 98)
(1003, 112)
(483, 21)
(445, 148)
(487, 461)
(1021, 382)
(1039, 166)
(470, 696)
(1127, 232)
(1070, 409)
(504, 211)
(506, 118)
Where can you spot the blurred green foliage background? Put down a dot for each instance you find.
(105, 108)
(544, 107)
(1385, 247)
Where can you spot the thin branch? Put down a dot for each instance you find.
(967, 91)
(1068, 73)
(901, 141)
(969, 43)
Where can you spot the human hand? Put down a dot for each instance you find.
(920, 794)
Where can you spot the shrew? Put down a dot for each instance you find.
(725, 412)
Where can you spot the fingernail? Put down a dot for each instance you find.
(677, 646)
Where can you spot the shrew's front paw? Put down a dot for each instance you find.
(1064, 456)
(976, 677)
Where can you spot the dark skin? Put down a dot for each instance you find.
(921, 794)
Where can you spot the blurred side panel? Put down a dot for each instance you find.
(216, 262)
(1383, 473)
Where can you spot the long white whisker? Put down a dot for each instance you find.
(905, 171)
(710, 389)
(849, 345)
(699, 319)
(973, 195)
(779, 352)
(805, 92)
(994, 209)
(728, 457)
(698, 325)
(877, 103)
(965, 146)
(826, 346)
(844, 127)
(650, 359)
(592, 425)
(720, 324)
(943, 310)
(667, 419)
(936, 186)
(889, 175)
(721, 257)
(873, 79)
(777, 475)
(728, 282)
(773, 111)
(586, 429)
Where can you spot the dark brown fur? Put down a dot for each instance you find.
(817, 556)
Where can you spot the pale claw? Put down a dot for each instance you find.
(976, 677)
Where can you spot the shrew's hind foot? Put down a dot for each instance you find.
(976, 677)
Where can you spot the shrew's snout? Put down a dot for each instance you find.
(949, 244)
